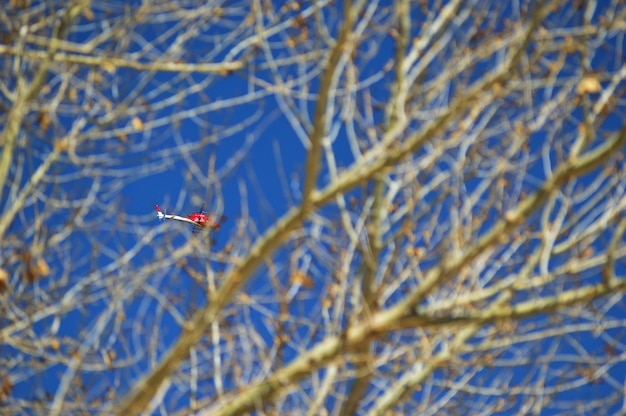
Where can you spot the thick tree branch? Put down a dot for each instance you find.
(164, 66)
(342, 46)
(467, 201)
(139, 397)
(381, 157)
(137, 400)
(19, 110)
(521, 310)
(411, 379)
(513, 219)
(371, 251)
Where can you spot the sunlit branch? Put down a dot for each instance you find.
(343, 45)
(372, 248)
(139, 397)
(24, 93)
(380, 158)
(221, 68)
(393, 395)
(450, 266)
(521, 310)
(609, 271)
(17, 205)
(440, 227)
(384, 321)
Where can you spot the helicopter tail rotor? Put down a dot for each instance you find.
(160, 215)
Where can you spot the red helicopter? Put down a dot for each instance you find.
(197, 219)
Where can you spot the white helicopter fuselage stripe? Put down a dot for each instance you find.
(179, 218)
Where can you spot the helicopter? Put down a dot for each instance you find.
(199, 219)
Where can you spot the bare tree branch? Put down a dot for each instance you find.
(411, 207)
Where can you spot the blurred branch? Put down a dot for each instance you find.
(521, 310)
(70, 13)
(71, 296)
(9, 135)
(343, 45)
(372, 247)
(462, 209)
(139, 397)
(180, 67)
(380, 157)
(415, 376)
(19, 110)
(609, 271)
(513, 219)
(60, 146)
(384, 321)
